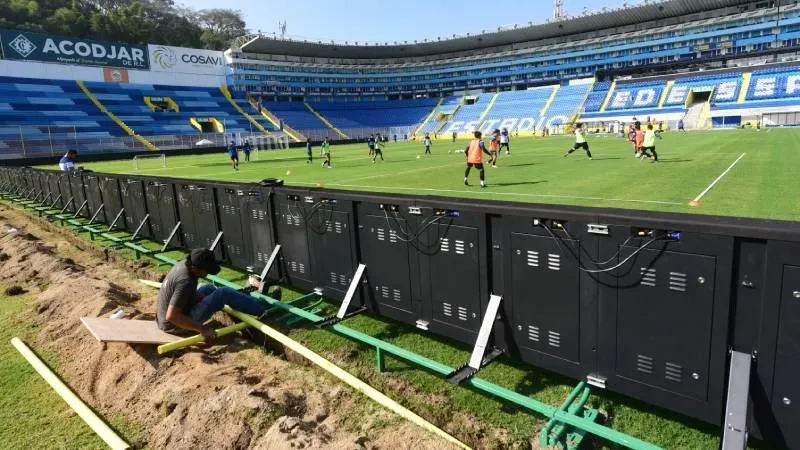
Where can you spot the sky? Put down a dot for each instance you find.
(392, 20)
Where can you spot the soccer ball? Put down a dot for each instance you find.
(288, 172)
(417, 156)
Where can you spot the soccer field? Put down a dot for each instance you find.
(756, 171)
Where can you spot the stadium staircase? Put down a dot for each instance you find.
(608, 96)
(325, 121)
(664, 93)
(692, 117)
(549, 101)
(227, 94)
(428, 117)
(276, 122)
(746, 76)
(486, 110)
(448, 119)
(147, 144)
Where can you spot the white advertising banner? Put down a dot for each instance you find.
(165, 58)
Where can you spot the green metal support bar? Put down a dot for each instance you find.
(380, 361)
(544, 436)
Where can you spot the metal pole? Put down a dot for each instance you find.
(22, 142)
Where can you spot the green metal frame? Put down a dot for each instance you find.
(567, 425)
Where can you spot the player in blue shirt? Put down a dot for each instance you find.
(234, 155)
(371, 144)
(67, 162)
(247, 150)
(309, 151)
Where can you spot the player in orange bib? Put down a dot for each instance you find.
(474, 152)
(494, 147)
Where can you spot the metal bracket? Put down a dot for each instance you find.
(465, 372)
(139, 228)
(53, 205)
(66, 205)
(351, 292)
(216, 241)
(171, 236)
(477, 360)
(102, 205)
(734, 431)
(272, 258)
(46, 198)
(83, 205)
(114, 222)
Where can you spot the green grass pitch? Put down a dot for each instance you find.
(761, 185)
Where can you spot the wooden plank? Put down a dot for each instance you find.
(129, 331)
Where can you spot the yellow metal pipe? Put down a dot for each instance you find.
(343, 375)
(93, 420)
(198, 339)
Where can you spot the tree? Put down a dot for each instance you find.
(220, 26)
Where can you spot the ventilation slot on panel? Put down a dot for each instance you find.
(462, 313)
(258, 214)
(261, 257)
(381, 234)
(445, 245)
(392, 236)
(447, 309)
(342, 280)
(338, 227)
(677, 281)
(648, 277)
(553, 261)
(533, 258)
(328, 226)
(293, 266)
(673, 372)
(301, 267)
(644, 364)
(296, 220)
(533, 333)
(459, 247)
(554, 339)
(206, 206)
(396, 294)
(333, 278)
(384, 292)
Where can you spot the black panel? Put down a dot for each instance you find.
(331, 231)
(664, 319)
(245, 220)
(93, 195)
(550, 323)
(292, 234)
(111, 198)
(59, 197)
(198, 216)
(77, 189)
(133, 200)
(786, 391)
(389, 261)
(66, 193)
(160, 198)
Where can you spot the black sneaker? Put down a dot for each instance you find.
(466, 183)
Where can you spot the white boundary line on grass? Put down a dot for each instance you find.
(573, 197)
(697, 199)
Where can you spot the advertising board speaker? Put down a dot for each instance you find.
(27, 46)
(186, 60)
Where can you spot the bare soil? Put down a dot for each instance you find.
(232, 395)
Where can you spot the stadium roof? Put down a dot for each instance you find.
(266, 44)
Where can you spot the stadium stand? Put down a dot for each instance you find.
(631, 96)
(448, 106)
(514, 104)
(298, 116)
(566, 104)
(596, 97)
(381, 115)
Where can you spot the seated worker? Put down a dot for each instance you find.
(182, 305)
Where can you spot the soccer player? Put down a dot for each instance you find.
(649, 143)
(474, 153)
(371, 144)
(632, 139)
(504, 141)
(580, 141)
(639, 139)
(494, 147)
(309, 151)
(67, 162)
(234, 155)
(378, 151)
(427, 142)
(326, 150)
(247, 150)
(454, 136)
